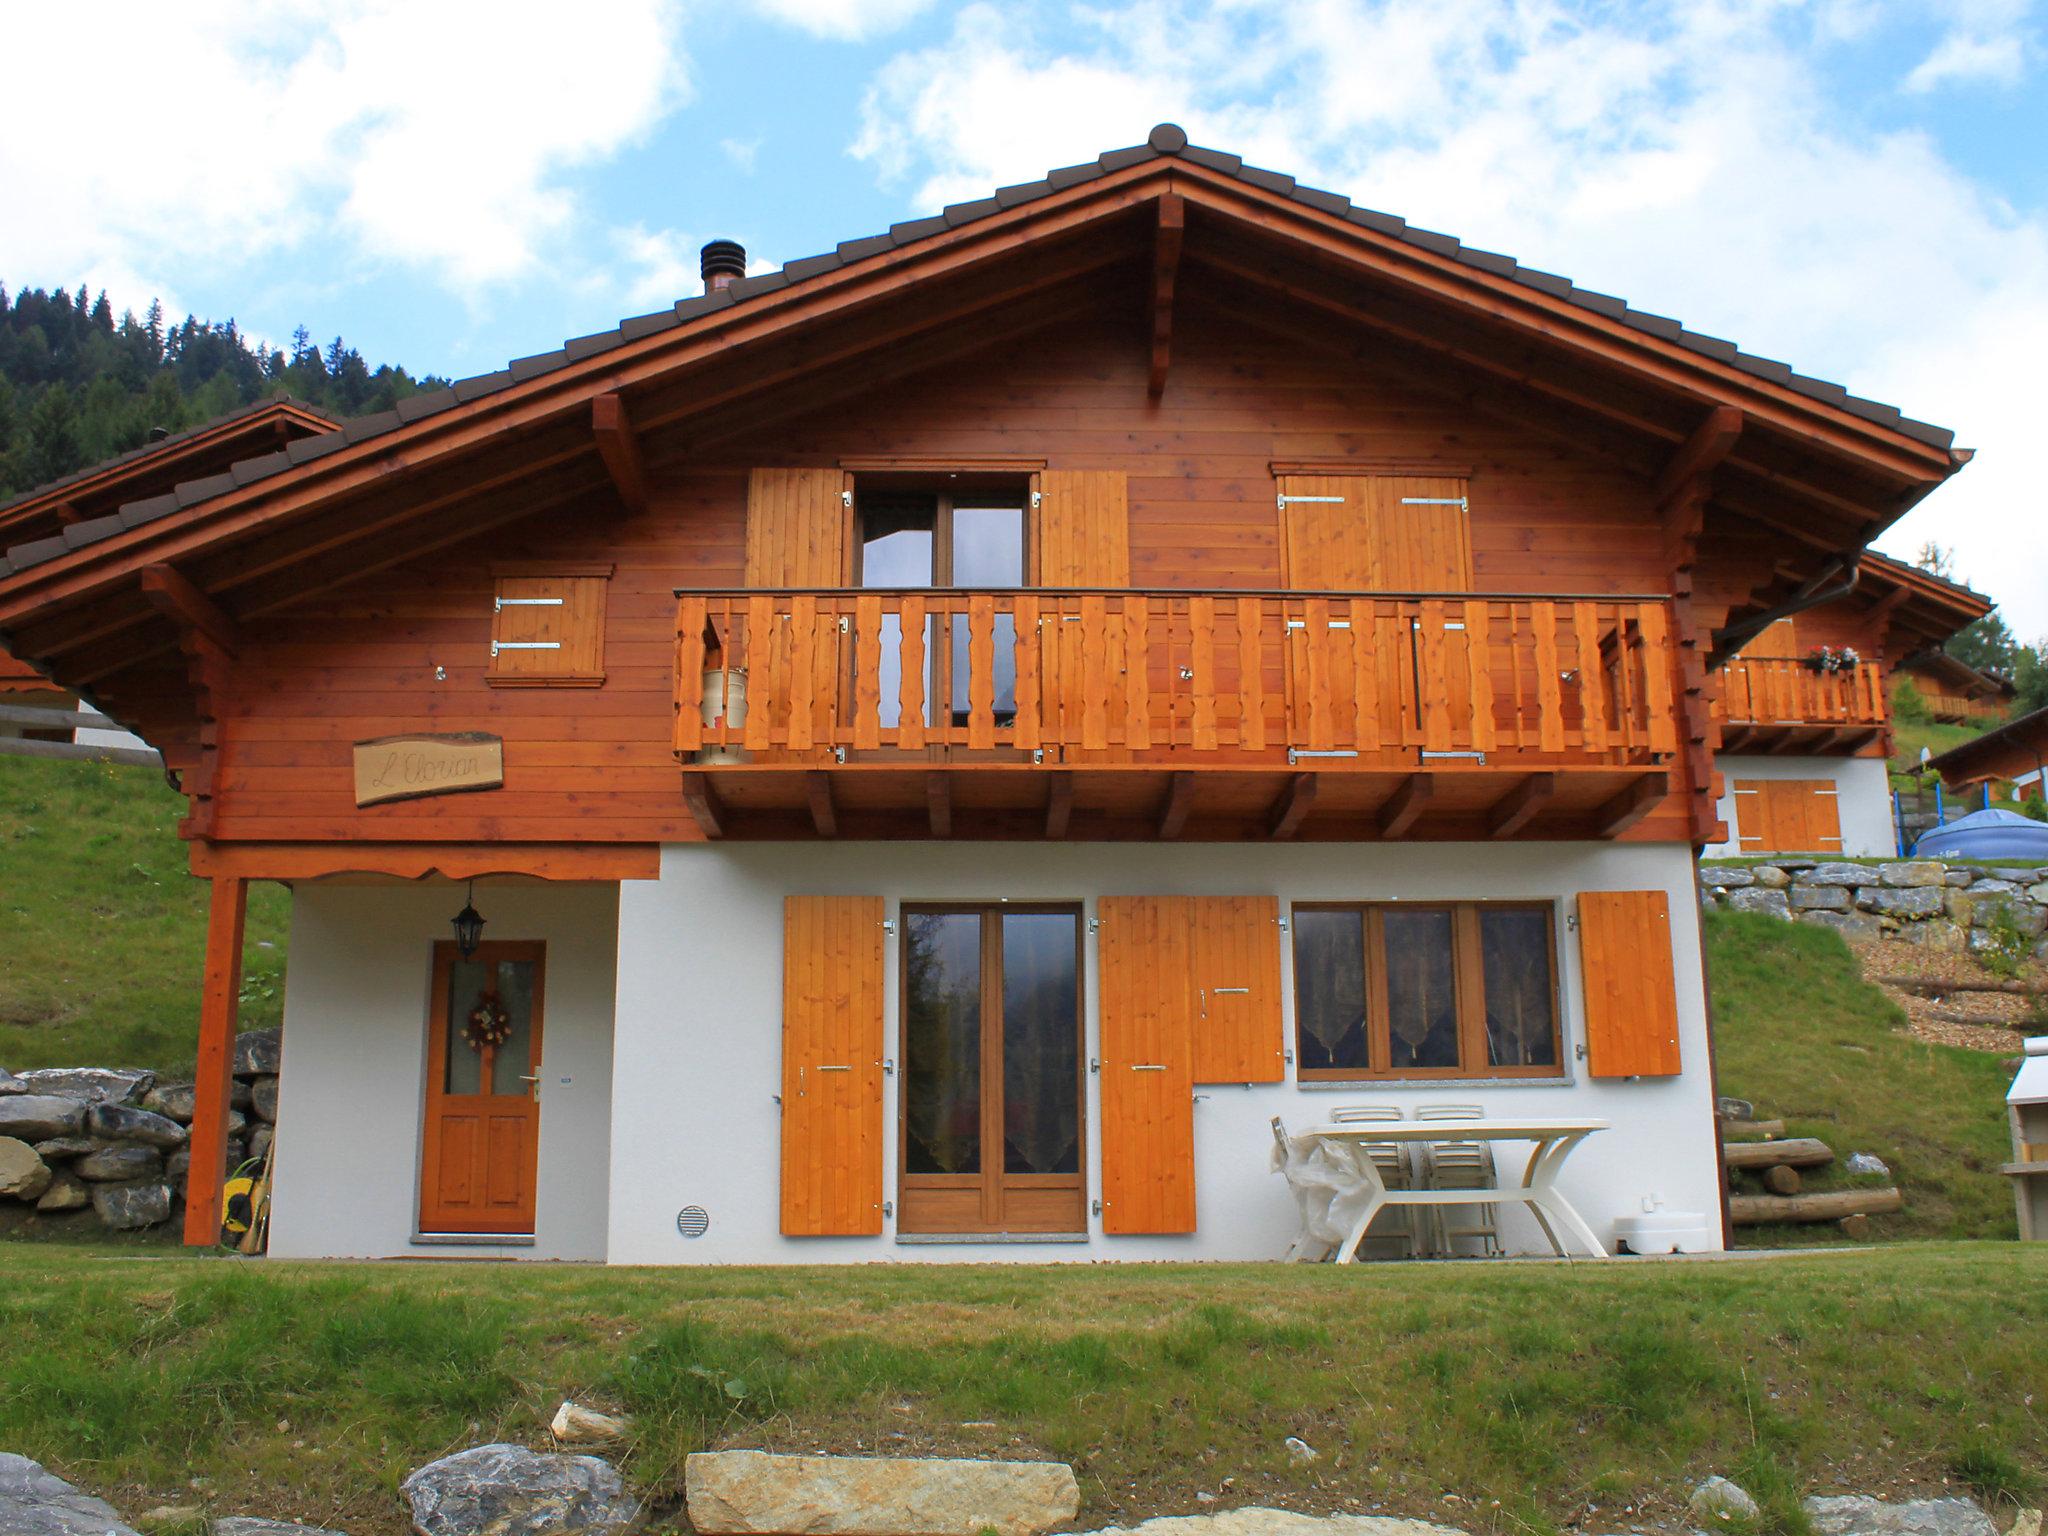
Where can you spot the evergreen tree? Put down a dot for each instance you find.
(55, 445)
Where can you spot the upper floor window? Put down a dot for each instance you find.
(547, 625)
(1407, 989)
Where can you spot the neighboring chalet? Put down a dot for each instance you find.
(1805, 711)
(1955, 692)
(160, 465)
(954, 736)
(2013, 754)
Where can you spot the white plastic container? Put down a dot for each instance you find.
(725, 697)
(1663, 1232)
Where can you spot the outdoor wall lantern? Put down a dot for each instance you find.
(468, 925)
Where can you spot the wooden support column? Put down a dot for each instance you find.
(703, 804)
(1682, 493)
(1180, 799)
(1059, 804)
(219, 999)
(938, 803)
(818, 790)
(1167, 238)
(619, 447)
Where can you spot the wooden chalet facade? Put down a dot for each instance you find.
(1805, 711)
(956, 735)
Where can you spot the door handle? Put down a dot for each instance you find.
(534, 1080)
(1148, 1066)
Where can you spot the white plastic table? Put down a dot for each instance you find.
(1553, 1142)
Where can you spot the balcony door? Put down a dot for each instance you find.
(992, 1130)
(932, 542)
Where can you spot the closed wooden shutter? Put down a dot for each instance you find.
(831, 1066)
(1148, 1118)
(1788, 816)
(1376, 533)
(547, 626)
(1082, 536)
(797, 523)
(1631, 992)
(1235, 947)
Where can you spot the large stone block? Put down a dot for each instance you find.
(1936, 933)
(752, 1493)
(1850, 925)
(1836, 874)
(64, 1194)
(95, 1085)
(507, 1490)
(23, 1174)
(257, 1051)
(1980, 889)
(175, 1101)
(1820, 898)
(1858, 1514)
(1726, 877)
(263, 1098)
(127, 1207)
(9, 1083)
(1910, 903)
(118, 1164)
(1770, 876)
(124, 1122)
(1756, 900)
(35, 1502)
(1912, 872)
(40, 1116)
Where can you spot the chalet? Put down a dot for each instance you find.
(158, 466)
(948, 740)
(2011, 754)
(1805, 711)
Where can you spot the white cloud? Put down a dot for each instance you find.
(1960, 56)
(661, 267)
(436, 135)
(743, 153)
(1690, 159)
(842, 20)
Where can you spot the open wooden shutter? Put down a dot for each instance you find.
(1148, 1109)
(1235, 949)
(832, 1066)
(1082, 536)
(797, 522)
(1375, 533)
(1631, 994)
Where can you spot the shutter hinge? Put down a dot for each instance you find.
(502, 603)
(524, 645)
(1287, 501)
(846, 498)
(1433, 501)
(1037, 497)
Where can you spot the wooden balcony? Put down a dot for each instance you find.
(1119, 714)
(1782, 704)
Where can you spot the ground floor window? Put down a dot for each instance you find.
(992, 1101)
(1408, 989)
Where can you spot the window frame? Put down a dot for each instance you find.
(945, 501)
(1468, 969)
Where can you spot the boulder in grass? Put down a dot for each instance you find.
(119, 1164)
(95, 1085)
(23, 1174)
(753, 1493)
(1717, 1499)
(40, 1116)
(507, 1490)
(1858, 1514)
(252, 1525)
(124, 1122)
(131, 1207)
(37, 1502)
(257, 1052)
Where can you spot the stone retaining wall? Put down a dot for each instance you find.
(113, 1140)
(1952, 906)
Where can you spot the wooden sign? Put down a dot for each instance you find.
(412, 767)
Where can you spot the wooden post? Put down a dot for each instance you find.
(220, 995)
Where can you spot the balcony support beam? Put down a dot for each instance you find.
(818, 791)
(1689, 472)
(1521, 805)
(1405, 806)
(1293, 806)
(171, 592)
(703, 805)
(938, 803)
(1059, 804)
(1630, 806)
(1167, 237)
(619, 446)
(1180, 799)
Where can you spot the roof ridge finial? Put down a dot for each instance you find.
(1168, 138)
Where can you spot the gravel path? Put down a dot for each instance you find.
(1977, 1021)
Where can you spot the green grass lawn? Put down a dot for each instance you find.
(105, 928)
(1540, 1395)
(1798, 1030)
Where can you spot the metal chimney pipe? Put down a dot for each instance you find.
(724, 261)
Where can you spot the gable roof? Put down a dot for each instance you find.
(105, 487)
(2015, 747)
(1872, 462)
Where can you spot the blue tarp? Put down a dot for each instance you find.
(1986, 835)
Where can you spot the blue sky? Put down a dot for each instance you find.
(1856, 187)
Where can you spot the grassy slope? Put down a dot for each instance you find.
(1540, 1394)
(1799, 1031)
(104, 928)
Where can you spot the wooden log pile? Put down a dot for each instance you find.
(1778, 1163)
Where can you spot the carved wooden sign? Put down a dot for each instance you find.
(412, 767)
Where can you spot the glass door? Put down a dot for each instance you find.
(991, 1047)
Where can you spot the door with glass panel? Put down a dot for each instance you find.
(992, 1130)
(481, 1138)
(925, 541)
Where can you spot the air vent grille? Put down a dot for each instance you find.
(693, 1221)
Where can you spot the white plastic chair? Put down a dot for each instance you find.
(1459, 1165)
(1328, 1194)
(1397, 1169)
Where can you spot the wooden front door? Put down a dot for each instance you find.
(482, 1135)
(992, 1131)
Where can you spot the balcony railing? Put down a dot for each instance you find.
(1194, 678)
(1783, 691)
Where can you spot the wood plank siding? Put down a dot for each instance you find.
(407, 648)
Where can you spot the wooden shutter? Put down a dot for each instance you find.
(797, 523)
(1235, 948)
(1082, 536)
(1631, 993)
(547, 626)
(1788, 816)
(1376, 533)
(831, 1066)
(1148, 1111)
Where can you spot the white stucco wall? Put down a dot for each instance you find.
(353, 1080)
(698, 1036)
(1863, 799)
